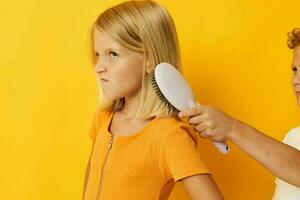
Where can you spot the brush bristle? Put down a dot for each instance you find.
(160, 94)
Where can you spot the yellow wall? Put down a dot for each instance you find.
(234, 55)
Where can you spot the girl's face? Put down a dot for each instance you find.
(119, 69)
(296, 73)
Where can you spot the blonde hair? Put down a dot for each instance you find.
(147, 27)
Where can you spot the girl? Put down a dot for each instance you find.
(140, 147)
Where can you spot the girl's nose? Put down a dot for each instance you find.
(296, 78)
(100, 67)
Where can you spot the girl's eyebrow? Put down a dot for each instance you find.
(111, 49)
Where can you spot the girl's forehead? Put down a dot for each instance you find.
(103, 41)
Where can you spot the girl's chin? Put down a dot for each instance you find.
(110, 97)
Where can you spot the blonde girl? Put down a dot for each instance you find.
(140, 147)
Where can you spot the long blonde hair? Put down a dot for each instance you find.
(147, 27)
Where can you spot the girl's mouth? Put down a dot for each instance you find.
(103, 80)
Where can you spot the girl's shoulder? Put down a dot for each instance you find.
(170, 123)
(172, 126)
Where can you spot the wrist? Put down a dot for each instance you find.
(237, 129)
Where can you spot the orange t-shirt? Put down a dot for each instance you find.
(144, 165)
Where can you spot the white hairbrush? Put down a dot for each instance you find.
(174, 91)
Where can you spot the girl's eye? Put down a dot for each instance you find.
(294, 69)
(97, 54)
(113, 54)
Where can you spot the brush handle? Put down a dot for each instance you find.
(222, 147)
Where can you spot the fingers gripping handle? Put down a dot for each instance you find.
(222, 147)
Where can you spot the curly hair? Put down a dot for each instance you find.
(293, 38)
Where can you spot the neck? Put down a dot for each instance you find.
(130, 107)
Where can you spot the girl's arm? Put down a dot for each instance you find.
(202, 187)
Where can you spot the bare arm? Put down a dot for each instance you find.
(202, 187)
(280, 159)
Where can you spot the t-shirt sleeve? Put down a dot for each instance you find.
(94, 127)
(292, 138)
(180, 156)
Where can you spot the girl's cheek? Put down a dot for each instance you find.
(294, 79)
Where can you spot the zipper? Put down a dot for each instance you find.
(102, 171)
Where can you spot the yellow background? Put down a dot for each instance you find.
(234, 55)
